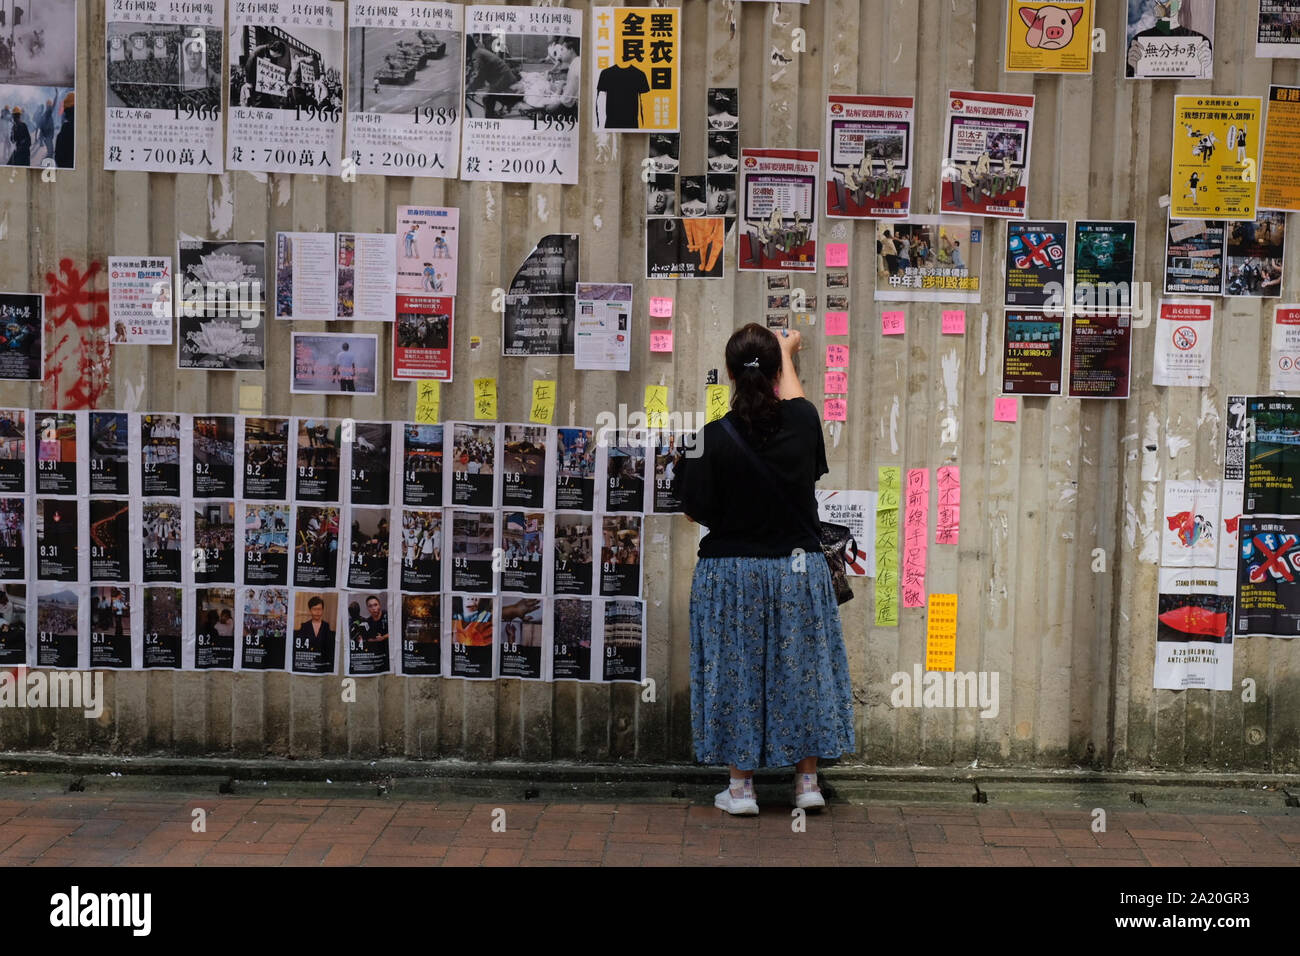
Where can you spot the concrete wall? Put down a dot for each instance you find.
(1074, 648)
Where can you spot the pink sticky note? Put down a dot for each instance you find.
(661, 307)
(837, 323)
(1006, 409)
(661, 340)
(837, 383)
(893, 323)
(835, 410)
(954, 321)
(837, 356)
(837, 255)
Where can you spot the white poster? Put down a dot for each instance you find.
(139, 300)
(1193, 636)
(1234, 493)
(367, 276)
(428, 246)
(1184, 336)
(1189, 531)
(304, 276)
(602, 326)
(1284, 357)
(857, 511)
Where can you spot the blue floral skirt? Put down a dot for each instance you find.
(769, 675)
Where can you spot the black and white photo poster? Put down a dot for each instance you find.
(111, 626)
(38, 63)
(214, 628)
(13, 624)
(371, 465)
(264, 451)
(220, 302)
(571, 639)
(623, 640)
(521, 637)
(60, 622)
(473, 549)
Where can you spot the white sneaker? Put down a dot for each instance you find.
(742, 806)
(808, 799)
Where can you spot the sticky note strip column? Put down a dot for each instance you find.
(916, 521)
(941, 633)
(948, 524)
(888, 498)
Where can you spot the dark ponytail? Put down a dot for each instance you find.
(754, 361)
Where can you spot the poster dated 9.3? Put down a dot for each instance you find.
(38, 70)
(163, 101)
(286, 87)
(523, 76)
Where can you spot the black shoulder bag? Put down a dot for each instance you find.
(835, 539)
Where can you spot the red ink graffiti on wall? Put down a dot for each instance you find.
(76, 338)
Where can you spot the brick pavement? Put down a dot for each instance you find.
(61, 829)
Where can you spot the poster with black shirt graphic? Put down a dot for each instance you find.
(13, 539)
(521, 638)
(214, 542)
(110, 540)
(316, 477)
(214, 456)
(474, 465)
(56, 539)
(636, 79)
(625, 472)
(620, 556)
(315, 633)
(13, 624)
(13, 451)
(571, 640)
(421, 550)
(368, 549)
(316, 547)
(110, 627)
(571, 555)
(161, 523)
(575, 469)
(473, 538)
(421, 635)
(56, 453)
(264, 630)
(624, 640)
(523, 536)
(163, 611)
(422, 465)
(372, 456)
(266, 459)
(160, 455)
(58, 626)
(110, 467)
(524, 467)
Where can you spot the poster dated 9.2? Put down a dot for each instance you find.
(38, 69)
(163, 101)
(523, 76)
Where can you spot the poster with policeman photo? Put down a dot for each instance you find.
(38, 84)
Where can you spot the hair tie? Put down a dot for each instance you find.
(752, 363)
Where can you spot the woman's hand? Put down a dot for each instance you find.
(789, 340)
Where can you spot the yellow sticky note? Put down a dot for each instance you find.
(717, 400)
(656, 406)
(428, 401)
(543, 410)
(941, 633)
(889, 482)
(485, 398)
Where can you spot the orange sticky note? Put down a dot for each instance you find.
(954, 321)
(661, 307)
(837, 383)
(661, 340)
(837, 255)
(893, 323)
(835, 410)
(837, 356)
(837, 323)
(1006, 409)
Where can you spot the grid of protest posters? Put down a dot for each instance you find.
(220, 304)
(929, 259)
(163, 103)
(778, 220)
(1215, 155)
(986, 149)
(39, 64)
(1169, 41)
(637, 80)
(869, 156)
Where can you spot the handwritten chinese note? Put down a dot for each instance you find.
(888, 498)
(948, 524)
(543, 407)
(717, 401)
(656, 406)
(485, 398)
(916, 518)
(428, 400)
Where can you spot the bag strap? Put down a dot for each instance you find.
(764, 469)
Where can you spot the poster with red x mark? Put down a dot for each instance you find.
(1268, 578)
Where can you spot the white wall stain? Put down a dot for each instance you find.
(1147, 526)
(1130, 526)
(1176, 444)
(489, 204)
(1209, 410)
(4, 226)
(283, 189)
(984, 341)
(597, 222)
(893, 427)
(1150, 447)
(134, 392)
(606, 147)
(951, 366)
(221, 205)
(543, 210)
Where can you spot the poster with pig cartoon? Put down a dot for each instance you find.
(1049, 37)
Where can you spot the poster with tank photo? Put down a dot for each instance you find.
(521, 637)
(523, 79)
(316, 547)
(623, 455)
(523, 470)
(473, 544)
(213, 469)
(1103, 265)
(371, 467)
(474, 466)
(926, 259)
(334, 363)
(575, 468)
(869, 156)
(264, 451)
(685, 248)
(111, 620)
(428, 250)
(422, 465)
(421, 555)
(163, 99)
(13, 539)
(1035, 271)
(664, 152)
(1033, 350)
(22, 323)
(1268, 587)
(214, 542)
(1273, 457)
(571, 568)
(57, 454)
(162, 528)
(404, 75)
(13, 624)
(367, 633)
(694, 196)
(422, 340)
(60, 623)
(1255, 254)
(39, 65)
(1169, 39)
(669, 449)
(110, 540)
(220, 305)
(473, 636)
(571, 639)
(368, 548)
(14, 438)
(214, 628)
(162, 613)
(286, 87)
(57, 539)
(421, 618)
(266, 543)
(1194, 633)
(316, 474)
(1195, 251)
(620, 556)
(523, 541)
(1277, 29)
(160, 455)
(304, 276)
(110, 444)
(264, 628)
(315, 632)
(623, 640)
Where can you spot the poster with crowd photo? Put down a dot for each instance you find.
(266, 543)
(1194, 629)
(39, 66)
(371, 465)
(1035, 272)
(540, 305)
(368, 548)
(669, 449)
(869, 156)
(523, 541)
(162, 530)
(286, 87)
(163, 102)
(422, 341)
(1033, 351)
(1051, 37)
(620, 556)
(160, 455)
(1277, 32)
(686, 248)
(404, 76)
(1190, 524)
(366, 633)
(929, 259)
(474, 465)
(139, 300)
(421, 545)
(162, 613)
(778, 221)
(986, 145)
(365, 276)
(1101, 352)
(317, 457)
(1268, 577)
(1278, 188)
(214, 628)
(473, 542)
(524, 457)
(57, 454)
(304, 276)
(636, 85)
(1255, 254)
(575, 469)
(13, 539)
(315, 632)
(111, 621)
(264, 628)
(13, 624)
(1273, 457)
(1169, 41)
(110, 468)
(316, 547)
(59, 625)
(22, 325)
(428, 250)
(571, 639)
(522, 628)
(334, 363)
(1195, 251)
(421, 620)
(523, 79)
(213, 464)
(14, 438)
(220, 302)
(110, 539)
(264, 451)
(1103, 265)
(422, 465)
(214, 542)
(624, 468)
(623, 640)
(1184, 343)
(571, 567)
(57, 537)
(1215, 155)
(473, 636)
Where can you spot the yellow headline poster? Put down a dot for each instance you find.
(1051, 37)
(428, 398)
(1279, 185)
(889, 496)
(1216, 157)
(941, 633)
(637, 80)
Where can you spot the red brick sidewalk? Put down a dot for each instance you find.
(64, 829)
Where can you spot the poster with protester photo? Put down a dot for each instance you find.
(220, 302)
(57, 537)
(160, 455)
(264, 451)
(985, 171)
(14, 444)
(421, 622)
(163, 528)
(366, 633)
(59, 625)
(1035, 271)
(571, 568)
(13, 624)
(571, 639)
(1194, 630)
(1195, 250)
(318, 450)
(266, 530)
(575, 469)
(57, 454)
(473, 636)
(214, 542)
(38, 63)
(316, 546)
(620, 556)
(422, 465)
(365, 276)
(1256, 250)
(473, 543)
(13, 539)
(368, 548)
(1103, 265)
(523, 80)
(213, 456)
(428, 250)
(215, 628)
(1268, 585)
(1277, 29)
(869, 156)
(474, 465)
(140, 300)
(315, 632)
(927, 259)
(22, 326)
(524, 455)
(521, 637)
(110, 460)
(111, 622)
(623, 640)
(264, 627)
(110, 539)
(404, 76)
(422, 340)
(421, 544)
(372, 463)
(523, 538)
(163, 616)
(286, 87)
(334, 363)
(163, 98)
(623, 454)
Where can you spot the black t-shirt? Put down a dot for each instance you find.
(622, 86)
(745, 516)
